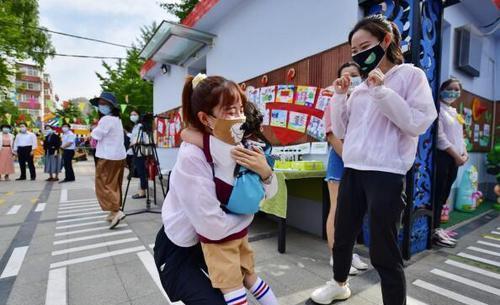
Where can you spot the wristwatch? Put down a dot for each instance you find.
(269, 179)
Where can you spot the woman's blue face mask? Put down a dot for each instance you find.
(105, 109)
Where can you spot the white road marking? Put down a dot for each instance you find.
(64, 195)
(95, 246)
(88, 230)
(14, 209)
(78, 204)
(466, 281)
(81, 214)
(94, 208)
(95, 257)
(447, 293)
(477, 249)
(149, 263)
(81, 224)
(473, 269)
(40, 207)
(79, 219)
(71, 240)
(56, 287)
(479, 259)
(488, 244)
(14, 263)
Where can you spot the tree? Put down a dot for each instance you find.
(125, 80)
(7, 107)
(71, 112)
(21, 37)
(181, 9)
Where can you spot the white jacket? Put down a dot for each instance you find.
(11, 136)
(380, 125)
(450, 130)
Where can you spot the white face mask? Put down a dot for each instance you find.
(23, 130)
(134, 118)
(5, 130)
(65, 129)
(355, 81)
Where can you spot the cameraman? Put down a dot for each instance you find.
(139, 150)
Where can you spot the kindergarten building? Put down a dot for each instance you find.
(283, 52)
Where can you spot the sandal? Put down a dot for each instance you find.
(137, 196)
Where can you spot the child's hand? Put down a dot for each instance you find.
(342, 84)
(192, 136)
(254, 160)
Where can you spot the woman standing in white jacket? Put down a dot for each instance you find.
(380, 124)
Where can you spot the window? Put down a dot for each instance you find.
(31, 71)
(28, 85)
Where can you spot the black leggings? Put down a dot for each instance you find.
(183, 273)
(140, 170)
(446, 173)
(382, 196)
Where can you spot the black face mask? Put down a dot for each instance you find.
(369, 59)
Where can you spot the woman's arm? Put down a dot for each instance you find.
(101, 129)
(192, 136)
(412, 115)
(193, 184)
(336, 144)
(339, 115)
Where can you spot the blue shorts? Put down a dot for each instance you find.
(335, 168)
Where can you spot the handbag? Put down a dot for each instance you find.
(248, 191)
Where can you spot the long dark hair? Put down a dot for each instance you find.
(379, 26)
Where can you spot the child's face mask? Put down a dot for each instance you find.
(228, 131)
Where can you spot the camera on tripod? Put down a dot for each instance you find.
(147, 122)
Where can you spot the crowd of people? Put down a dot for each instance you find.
(379, 108)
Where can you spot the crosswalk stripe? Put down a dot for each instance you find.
(78, 219)
(81, 214)
(479, 259)
(14, 263)
(95, 257)
(94, 208)
(149, 263)
(477, 249)
(495, 232)
(447, 293)
(466, 281)
(14, 209)
(88, 230)
(412, 301)
(64, 205)
(78, 200)
(81, 224)
(488, 244)
(80, 206)
(492, 237)
(71, 240)
(473, 269)
(64, 195)
(56, 287)
(95, 246)
(40, 207)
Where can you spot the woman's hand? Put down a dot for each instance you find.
(253, 159)
(461, 160)
(342, 84)
(376, 78)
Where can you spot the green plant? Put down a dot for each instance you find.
(181, 9)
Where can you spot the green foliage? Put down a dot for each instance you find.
(125, 81)
(71, 112)
(181, 9)
(9, 107)
(20, 38)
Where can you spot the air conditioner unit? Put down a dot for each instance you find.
(468, 46)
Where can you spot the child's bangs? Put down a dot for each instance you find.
(231, 94)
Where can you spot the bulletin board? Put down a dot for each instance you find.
(478, 115)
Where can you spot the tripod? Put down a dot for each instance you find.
(148, 150)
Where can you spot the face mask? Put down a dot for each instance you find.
(228, 131)
(355, 81)
(65, 129)
(48, 131)
(369, 59)
(5, 130)
(23, 129)
(104, 109)
(449, 96)
(134, 118)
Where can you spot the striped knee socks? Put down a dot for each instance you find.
(263, 293)
(237, 297)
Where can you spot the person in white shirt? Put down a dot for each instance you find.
(24, 145)
(450, 155)
(111, 154)
(139, 153)
(380, 123)
(68, 145)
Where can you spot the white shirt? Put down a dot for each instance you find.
(134, 137)
(380, 125)
(25, 139)
(110, 138)
(450, 130)
(69, 137)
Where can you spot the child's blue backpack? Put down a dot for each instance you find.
(248, 191)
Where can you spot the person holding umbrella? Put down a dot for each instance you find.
(111, 155)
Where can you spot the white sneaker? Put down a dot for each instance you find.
(352, 270)
(116, 220)
(110, 217)
(329, 292)
(358, 263)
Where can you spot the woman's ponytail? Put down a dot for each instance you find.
(187, 92)
(394, 53)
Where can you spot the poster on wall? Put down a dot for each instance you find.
(285, 94)
(468, 116)
(297, 121)
(484, 138)
(267, 94)
(324, 98)
(316, 128)
(476, 133)
(253, 95)
(266, 117)
(278, 118)
(305, 95)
